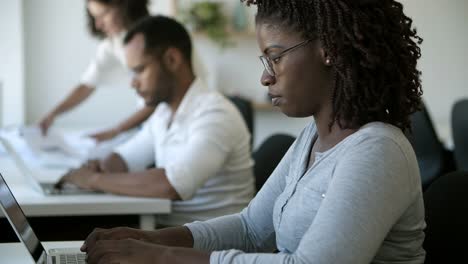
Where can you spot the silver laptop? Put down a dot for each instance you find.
(26, 235)
(44, 188)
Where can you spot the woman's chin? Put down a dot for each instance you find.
(291, 112)
(112, 33)
(287, 111)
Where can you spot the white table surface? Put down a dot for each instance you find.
(16, 253)
(37, 204)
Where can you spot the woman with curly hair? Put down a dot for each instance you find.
(348, 190)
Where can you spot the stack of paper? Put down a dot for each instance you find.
(71, 144)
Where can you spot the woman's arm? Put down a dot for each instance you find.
(76, 97)
(252, 230)
(195, 242)
(371, 189)
(126, 245)
(172, 236)
(133, 121)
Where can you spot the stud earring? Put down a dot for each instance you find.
(327, 61)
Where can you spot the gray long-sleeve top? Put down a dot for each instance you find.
(360, 202)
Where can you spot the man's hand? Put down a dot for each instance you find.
(82, 177)
(105, 135)
(93, 165)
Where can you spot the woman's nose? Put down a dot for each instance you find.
(98, 24)
(135, 83)
(267, 79)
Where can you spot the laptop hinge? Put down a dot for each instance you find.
(42, 258)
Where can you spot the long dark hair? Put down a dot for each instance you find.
(373, 49)
(131, 11)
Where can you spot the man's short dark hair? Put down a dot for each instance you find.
(130, 10)
(161, 33)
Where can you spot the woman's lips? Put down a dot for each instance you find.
(141, 94)
(275, 100)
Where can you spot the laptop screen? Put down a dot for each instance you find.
(21, 164)
(18, 221)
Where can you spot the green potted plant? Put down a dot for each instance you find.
(207, 17)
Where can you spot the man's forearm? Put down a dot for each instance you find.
(150, 183)
(113, 163)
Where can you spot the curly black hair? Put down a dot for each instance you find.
(131, 11)
(373, 48)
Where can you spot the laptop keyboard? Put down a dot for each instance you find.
(72, 259)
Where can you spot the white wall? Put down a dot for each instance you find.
(444, 27)
(58, 49)
(11, 66)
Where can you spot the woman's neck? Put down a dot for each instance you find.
(328, 136)
(116, 34)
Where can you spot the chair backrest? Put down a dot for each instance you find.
(268, 155)
(460, 133)
(427, 146)
(246, 109)
(446, 205)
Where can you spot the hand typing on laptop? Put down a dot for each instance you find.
(128, 245)
(82, 177)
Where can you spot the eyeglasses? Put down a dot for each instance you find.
(268, 61)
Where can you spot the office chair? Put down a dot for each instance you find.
(268, 156)
(246, 109)
(446, 205)
(460, 133)
(433, 159)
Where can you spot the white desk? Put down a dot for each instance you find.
(39, 205)
(18, 254)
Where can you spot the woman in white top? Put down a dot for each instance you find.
(108, 20)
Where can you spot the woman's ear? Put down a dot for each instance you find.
(325, 57)
(173, 59)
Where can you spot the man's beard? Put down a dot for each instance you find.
(165, 87)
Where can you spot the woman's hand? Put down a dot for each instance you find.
(123, 251)
(46, 122)
(121, 245)
(117, 233)
(127, 245)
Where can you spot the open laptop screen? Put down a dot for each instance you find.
(18, 221)
(25, 171)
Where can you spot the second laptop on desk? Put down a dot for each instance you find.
(44, 188)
